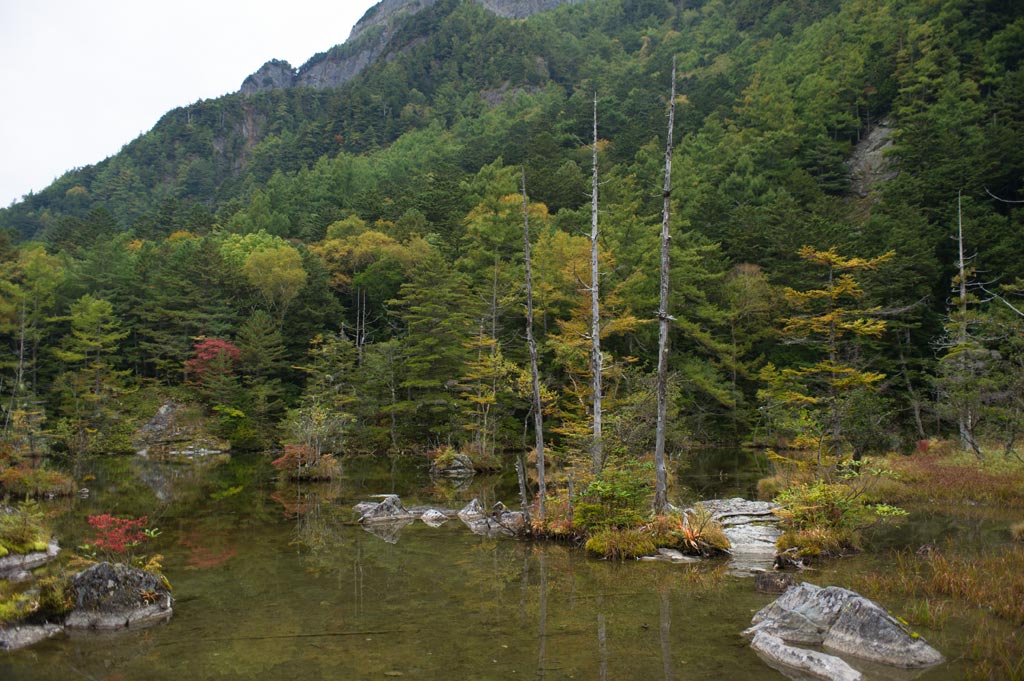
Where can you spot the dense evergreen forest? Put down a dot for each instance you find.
(343, 268)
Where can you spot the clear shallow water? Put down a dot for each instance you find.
(282, 584)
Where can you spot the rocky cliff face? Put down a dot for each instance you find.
(520, 9)
(370, 37)
(273, 75)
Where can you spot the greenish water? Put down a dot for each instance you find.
(282, 584)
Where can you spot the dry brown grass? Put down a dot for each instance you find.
(992, 581)
(945, 475)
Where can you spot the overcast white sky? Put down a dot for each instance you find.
(78, 79)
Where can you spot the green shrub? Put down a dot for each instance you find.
(820, 542)
(22, 530)
(56, 595)
(825, 518)
(16, 606)
(619, 498)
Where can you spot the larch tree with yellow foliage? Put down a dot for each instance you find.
(828, 319)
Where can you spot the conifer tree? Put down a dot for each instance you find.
(827, 322)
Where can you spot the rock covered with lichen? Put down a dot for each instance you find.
(838, 620)
(116, 596)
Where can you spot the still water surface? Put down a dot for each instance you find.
(278, 583)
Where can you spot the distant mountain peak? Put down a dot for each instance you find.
(369, 38)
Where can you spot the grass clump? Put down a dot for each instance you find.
(694, 533)
(29, 482)
(821, 541)
(1017, 531)
(56, 595)
(621, 543)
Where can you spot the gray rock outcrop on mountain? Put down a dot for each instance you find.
(369, 40)
(274, 75)
(868, 164)
(521, 9)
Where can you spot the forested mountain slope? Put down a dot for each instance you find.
(346, 262)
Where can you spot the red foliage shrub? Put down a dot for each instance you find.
(118, 535)
(294, 456)
(207, 351)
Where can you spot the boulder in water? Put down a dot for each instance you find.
(116, 596)
(433, 517)
(390, 509)
(840, 620)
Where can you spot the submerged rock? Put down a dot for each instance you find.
(773, 582)
(15, 567)
(116, 596)
(810, 664)
(840, 620)
(24, 635)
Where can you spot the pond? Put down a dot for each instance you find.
(276, 583)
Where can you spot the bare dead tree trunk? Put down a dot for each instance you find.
(538, 407)
(597, 453)
(966, 419)
(915, 401)
(19, 378)
(664, 320)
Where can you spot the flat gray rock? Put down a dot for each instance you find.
(809, 664)
(24, 635)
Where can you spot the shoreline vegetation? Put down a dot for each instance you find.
(827, 514)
